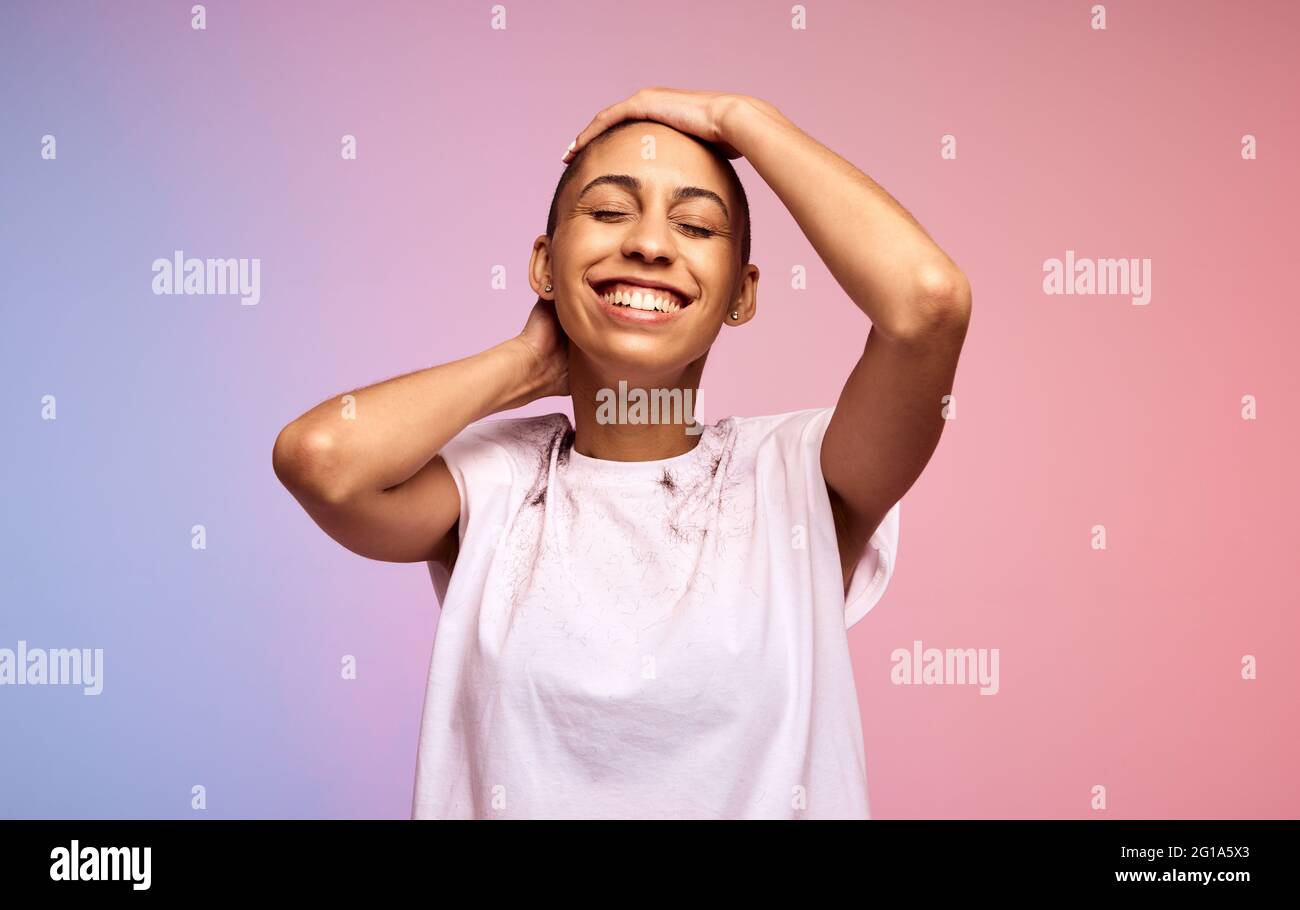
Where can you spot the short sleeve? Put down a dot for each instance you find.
(874, 570)
(480, 462)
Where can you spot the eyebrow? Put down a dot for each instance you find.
(633, 185)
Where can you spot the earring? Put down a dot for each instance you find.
(735, 315)
(548, 289)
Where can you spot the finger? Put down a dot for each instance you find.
(601, 122)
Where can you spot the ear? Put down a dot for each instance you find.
(745, 299)
(540, 273)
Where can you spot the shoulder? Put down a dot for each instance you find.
(516, 432)
(802, 429)
(500, 445)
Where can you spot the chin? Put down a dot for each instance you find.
(632, 356)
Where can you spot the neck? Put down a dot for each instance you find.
(624, 415)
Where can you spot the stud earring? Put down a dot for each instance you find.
(548, 289)
(735, 315)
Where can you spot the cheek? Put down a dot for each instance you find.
(567, 307)
(715, 273)
(573, 310)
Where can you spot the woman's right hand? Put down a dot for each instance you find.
(546, 350)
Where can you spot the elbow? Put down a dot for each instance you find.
(939, 306)
(306, 461)
(944, 286)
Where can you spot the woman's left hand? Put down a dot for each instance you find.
(697, 113)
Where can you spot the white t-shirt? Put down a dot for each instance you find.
(648, 639)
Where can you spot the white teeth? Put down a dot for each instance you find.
(639, 300)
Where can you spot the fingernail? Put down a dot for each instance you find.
(569, 149)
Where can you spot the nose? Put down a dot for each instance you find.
(650, 238)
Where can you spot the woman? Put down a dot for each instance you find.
(643, 616)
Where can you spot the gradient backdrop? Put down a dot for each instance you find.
(1119, 668)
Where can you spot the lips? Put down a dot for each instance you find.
(641, 294)
(621, 309)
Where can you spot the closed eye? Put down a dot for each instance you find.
(694, 230)
(698, 231)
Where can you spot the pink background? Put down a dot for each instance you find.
(1118, 668)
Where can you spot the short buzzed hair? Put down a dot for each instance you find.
(733, 179)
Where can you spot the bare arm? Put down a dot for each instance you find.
(888, 419)
(369, 474)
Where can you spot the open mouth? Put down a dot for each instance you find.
(633, 296)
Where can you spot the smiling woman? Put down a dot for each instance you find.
(644, 184)
(640, 618)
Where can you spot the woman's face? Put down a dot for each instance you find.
(666, 223)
